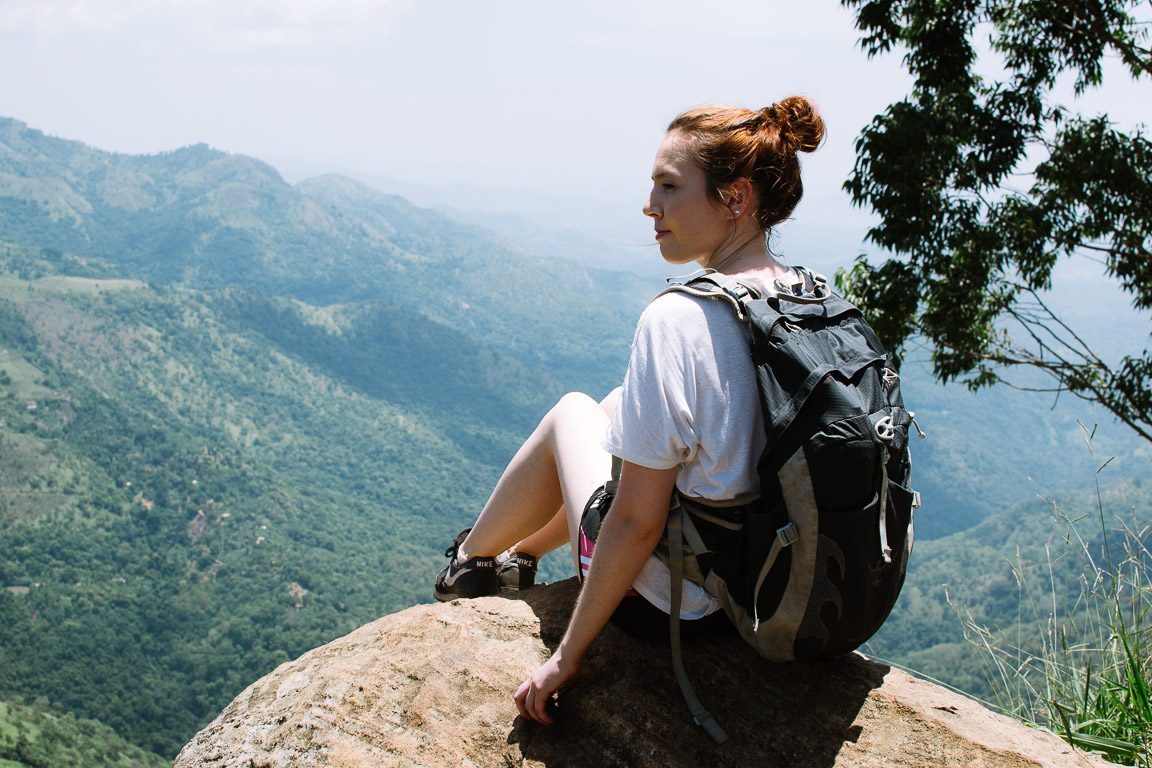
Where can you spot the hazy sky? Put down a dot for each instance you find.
(561, 100)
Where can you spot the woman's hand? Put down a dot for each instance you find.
(534, 695)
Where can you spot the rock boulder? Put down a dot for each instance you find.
(432, 686)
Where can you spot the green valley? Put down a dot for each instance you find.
(240, 418)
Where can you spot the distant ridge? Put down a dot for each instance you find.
(204, 218)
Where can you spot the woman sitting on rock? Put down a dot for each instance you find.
(687, 418)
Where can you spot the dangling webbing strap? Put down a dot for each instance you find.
(678, 527)
(702, 716)
(785, 537)
(885, 550)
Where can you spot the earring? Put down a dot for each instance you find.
(736, 212)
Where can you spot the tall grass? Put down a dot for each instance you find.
(1078, 660)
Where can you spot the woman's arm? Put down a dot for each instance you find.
(631, 531)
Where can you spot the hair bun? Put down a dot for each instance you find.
(733, 143)
(798, 122)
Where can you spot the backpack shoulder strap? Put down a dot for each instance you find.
(710, 284)
(799, 285)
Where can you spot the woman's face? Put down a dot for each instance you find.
(690, 225)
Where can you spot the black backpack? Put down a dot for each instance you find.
(811, 568)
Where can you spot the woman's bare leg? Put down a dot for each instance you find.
(555, 533)
(552, 536)
(560, 465)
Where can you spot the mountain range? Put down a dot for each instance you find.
(240, 417)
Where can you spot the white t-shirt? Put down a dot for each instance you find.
(690, 401)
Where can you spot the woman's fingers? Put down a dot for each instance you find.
(521, 698)
(533, 703)
(534, 696)
(538, 705)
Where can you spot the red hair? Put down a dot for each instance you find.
(730, 143)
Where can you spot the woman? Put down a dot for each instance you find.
(687, 417)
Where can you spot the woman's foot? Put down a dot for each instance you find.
(475, 577)
(516, 571)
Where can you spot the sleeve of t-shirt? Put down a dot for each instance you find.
(653, 423)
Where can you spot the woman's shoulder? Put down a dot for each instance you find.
(681, 315)
(674, 305)
(678, 320)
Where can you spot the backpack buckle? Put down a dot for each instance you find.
(788, 535)
(886, 429)
(802, 286)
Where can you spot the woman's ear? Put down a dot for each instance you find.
(738, 197)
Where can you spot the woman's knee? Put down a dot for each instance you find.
(574, 404)
(576, 421)
(576, 424)
(577, 416)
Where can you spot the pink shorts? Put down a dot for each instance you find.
(590, 521)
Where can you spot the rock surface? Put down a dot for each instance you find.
(432, 686)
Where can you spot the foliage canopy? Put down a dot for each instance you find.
(984, 183)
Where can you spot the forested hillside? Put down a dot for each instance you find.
(1012, 573)
(186, 504)
(30, 736)
(237, 421)
(240, 418)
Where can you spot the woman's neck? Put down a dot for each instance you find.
(749, 257)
